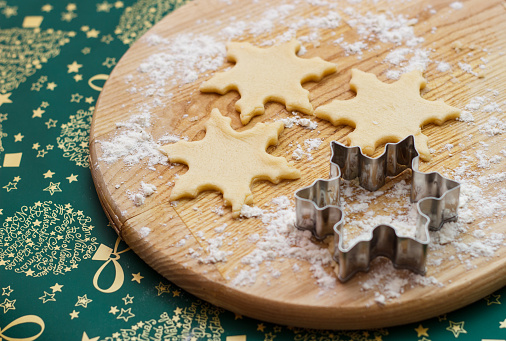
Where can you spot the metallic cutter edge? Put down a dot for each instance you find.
(318, 207)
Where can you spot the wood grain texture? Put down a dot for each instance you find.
(295, 299)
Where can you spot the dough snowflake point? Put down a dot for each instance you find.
(229, 161)
(271, 74)
(383, 112)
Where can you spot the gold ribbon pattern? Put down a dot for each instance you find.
(106, 254)
(20, 321)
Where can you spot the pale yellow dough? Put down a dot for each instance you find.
(383, 112)
(269, 74)
(229, 161)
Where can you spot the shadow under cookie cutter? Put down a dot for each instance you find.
(318, 207)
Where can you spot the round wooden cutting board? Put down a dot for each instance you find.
(155, 229)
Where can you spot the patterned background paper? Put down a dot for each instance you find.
(64, 274)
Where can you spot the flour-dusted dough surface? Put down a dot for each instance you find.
(229, 161)
(383, 112)
(269, 74)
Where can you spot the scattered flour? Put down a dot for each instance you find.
(457, 5)
(186, 58)
(132, 143)
(282, 240)
(295, 119)
(183, 59)
(144, 231)
(145, 191)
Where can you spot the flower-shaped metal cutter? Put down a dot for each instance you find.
(318, 207)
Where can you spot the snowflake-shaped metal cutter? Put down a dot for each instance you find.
(318, 207)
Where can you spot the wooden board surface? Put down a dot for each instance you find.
(294, 298)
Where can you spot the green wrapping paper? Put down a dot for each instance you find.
(64, 273)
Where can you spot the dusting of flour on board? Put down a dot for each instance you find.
(186, 60)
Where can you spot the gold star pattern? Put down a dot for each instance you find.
(93, 33)
(51, 86)
(41, 153)
(86, 337)
(71, 178)
(239, 158)
(78, 77)
(176, 293)
(38, 112)
(456, 328)
(107, 39)
(493, 299)
(268, 74)
(74, 314)
(36, 146)
(8, 305)
(104, 7)
(18, 137)
(4, 98)
(7, 291)
(48, 174)
(162, 288)
(125, 314)
(86, 50)
(68, 16)
(260, 327)
(76, 98)
(421, 331)
(137, 277)
(128, 299)
(83, 301)
(118, 4)
(502, 324)
(47, 8)
(269, 337)
(47, 297)
(382, 112)
(113, 310)
(51, 123)
(53, 188)
(71, 7)
(74, 67)
(10, 11)
(29, 272)
(109, 62)
(178, 311)
(10, 186)
(56, 287)
(89, 100)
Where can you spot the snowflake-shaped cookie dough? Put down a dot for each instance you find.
(270, 74)
(229, 161)
(382, 112)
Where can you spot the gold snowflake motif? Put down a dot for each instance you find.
(383, 112)
(229, 161)
(271, 74)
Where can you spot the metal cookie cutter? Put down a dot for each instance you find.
(318, 207)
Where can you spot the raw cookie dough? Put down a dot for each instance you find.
(229, 161)
(270, 74)
(382, 112)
